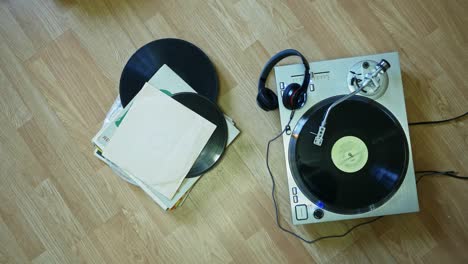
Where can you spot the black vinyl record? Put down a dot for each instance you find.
(184, 58)
(363, 159)
(216, 145)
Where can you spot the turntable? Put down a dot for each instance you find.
(361, 164)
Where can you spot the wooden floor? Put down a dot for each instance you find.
(61, 62)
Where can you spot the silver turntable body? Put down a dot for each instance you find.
(330, 78)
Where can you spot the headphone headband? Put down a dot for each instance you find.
(277, 58)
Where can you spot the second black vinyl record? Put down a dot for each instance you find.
(216, 145)
(362, 161)
(183, 57)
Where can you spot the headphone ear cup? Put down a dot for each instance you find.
(267, 99)
(291, 95)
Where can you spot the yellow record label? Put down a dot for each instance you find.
(349, 154)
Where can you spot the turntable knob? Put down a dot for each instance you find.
(384, 65)
(318, 213)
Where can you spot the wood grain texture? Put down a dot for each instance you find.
(60, 64)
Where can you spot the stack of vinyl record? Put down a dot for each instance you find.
(164, 135)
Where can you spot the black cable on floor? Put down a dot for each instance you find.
(452, 174)
(437, 121)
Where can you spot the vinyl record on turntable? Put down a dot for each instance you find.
(216, 144)
(362, 161)
(184, 58)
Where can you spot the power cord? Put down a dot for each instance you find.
(437, 121)
(452, 174)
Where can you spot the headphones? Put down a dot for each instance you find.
(294, 95)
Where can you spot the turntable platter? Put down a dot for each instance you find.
(362, 161)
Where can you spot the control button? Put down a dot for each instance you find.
(312, 87)
(295, 199)
(301, 212)
(282, 85)
(318, 213)
(294, 190)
